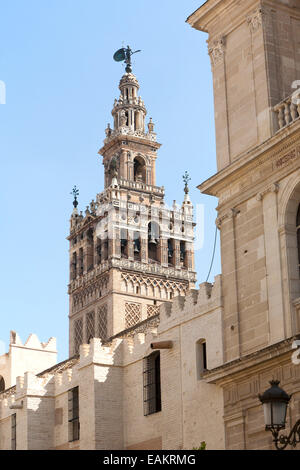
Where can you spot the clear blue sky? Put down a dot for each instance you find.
(56, 61)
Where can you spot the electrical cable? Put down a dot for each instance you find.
(213, 256)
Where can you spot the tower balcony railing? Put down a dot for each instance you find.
(136, 100)
(126, 130)
(147, 268)
(287, 111)
(141, 186)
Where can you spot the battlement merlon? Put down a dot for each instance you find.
(195, 303)
(33, 355)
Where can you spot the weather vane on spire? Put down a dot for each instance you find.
(186, 178)
(124, 55)
(75, 192)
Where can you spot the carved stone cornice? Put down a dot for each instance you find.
(216, 50)
(245, 177)
(255, 19)
(252, 363)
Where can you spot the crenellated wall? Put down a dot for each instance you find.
(33, 356)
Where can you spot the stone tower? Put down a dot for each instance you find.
(129, 252)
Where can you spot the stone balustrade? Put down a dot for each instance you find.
(137, 101)
(130, 132)
(288, 110)
(140, 185)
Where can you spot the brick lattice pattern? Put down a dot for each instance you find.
(90, 326)
(133, 314)
(102, 322)
(152, 310)
(78, 334)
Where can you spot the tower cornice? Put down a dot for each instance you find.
(127, 139)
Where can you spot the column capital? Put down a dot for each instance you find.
(273, 188)
(230, 214)
(254, 20)
(216, 50)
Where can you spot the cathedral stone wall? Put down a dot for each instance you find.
(253, 49)
(110, 381)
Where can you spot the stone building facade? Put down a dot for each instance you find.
(155, 363)
(254, 50)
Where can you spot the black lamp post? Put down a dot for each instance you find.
(275, 403)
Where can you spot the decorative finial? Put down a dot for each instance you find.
(186, 178)
(124, 55)
(75, 192)
(150, 126)
(108, 130)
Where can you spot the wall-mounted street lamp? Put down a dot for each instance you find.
(275, 403)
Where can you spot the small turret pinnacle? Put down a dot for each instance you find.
(186, 179)
(75, 192)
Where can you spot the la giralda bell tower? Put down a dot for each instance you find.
(129, 252)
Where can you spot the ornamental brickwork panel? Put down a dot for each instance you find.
(78, 334)
(133, 314)
(90, 326)
(102, 322)
(152, 310)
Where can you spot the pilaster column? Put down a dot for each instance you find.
(148, 175)
(129, 170)
(123, 164)
(130, 245)
(177, 253)
(163, 246)
(116, 243)
(232, 346)
(273, 264)
(216, 50)
(189, 256)
(144, 249)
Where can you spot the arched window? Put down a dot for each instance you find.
(81, 268)
(124, 243)
(90, 249)
(2, 384)
(137, 245)
(98, 250)
(153, 241)
(74, 266)
(105, 246)
(170, 251)
(201, 358)
(183, 253)
(139, 169)
(298, 235)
